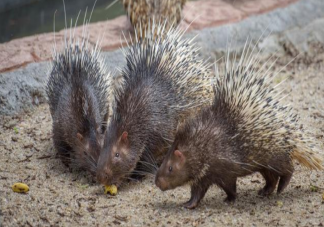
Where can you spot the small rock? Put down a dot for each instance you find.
(10, 124)
(116, 222)
(28, 145)
(91, 208)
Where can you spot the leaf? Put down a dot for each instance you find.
(83, 186)
(16, 130)
(314, 188)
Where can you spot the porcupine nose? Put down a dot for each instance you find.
(104, 176)
(161, 183)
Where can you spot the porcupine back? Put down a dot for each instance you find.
(247, 95)
(177, 60)
(78, 62)
(142, 12)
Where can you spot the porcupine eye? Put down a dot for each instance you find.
(117, 155)
(170, 168)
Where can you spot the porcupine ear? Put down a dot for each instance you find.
(124, 137)
(180, 159)
(79, 136)
(179, 155)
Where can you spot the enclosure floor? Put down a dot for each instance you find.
(62, 197)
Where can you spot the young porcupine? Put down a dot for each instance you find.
(78, 89)
(163, 81)
(245, 130)
(142, 12)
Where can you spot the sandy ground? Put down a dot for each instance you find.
(59, 196)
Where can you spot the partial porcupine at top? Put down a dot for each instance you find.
(245, 130)
(141, 13)
(78, 90)
(164, 80)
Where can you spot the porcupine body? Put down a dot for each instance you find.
(141, 13)
(163, 81)
(245, 130)
(78, 90)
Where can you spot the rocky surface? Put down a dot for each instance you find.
(23, 89)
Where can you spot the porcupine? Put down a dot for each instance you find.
(78, 91)
(163, 81)
(141, 13)
(245, 130)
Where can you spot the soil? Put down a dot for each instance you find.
(60, 196)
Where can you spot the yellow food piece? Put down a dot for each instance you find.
(20, 188)
(111, 189)
(279, 203)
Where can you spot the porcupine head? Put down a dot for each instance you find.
(173, 171)
(89, 138)
(180, 166)
(114, 165)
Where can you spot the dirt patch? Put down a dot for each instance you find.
(63, 197)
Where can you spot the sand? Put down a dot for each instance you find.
(60, 196)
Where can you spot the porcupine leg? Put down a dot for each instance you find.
(229, 186)
(271, 183)
(285, 178)
(198, 191)
(63, 151)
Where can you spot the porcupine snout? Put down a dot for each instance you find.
(104, 175)
(161, 183)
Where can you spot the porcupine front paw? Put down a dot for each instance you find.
(271, 183)
(230, 199)
(198, 192)
(266, 191)
(191, 204)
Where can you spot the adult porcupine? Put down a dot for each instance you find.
(142, 12)
(163, 81)
(245, 130)
(77, 90)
